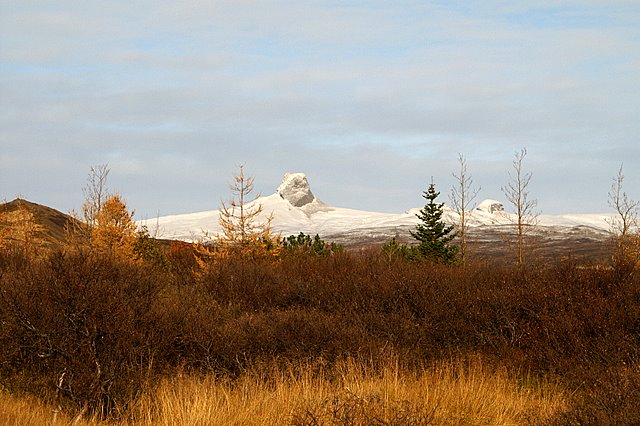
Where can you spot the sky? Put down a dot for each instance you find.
(372, 100)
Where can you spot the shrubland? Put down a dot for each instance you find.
(113, 340)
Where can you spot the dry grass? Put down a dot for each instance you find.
(349, 393)
(30, 411)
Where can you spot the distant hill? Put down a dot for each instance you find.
(49, 224)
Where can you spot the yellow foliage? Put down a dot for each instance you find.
(114, 229)
(626, 252)
(5, 233)
(255, 246)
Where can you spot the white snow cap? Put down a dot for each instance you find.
(295, 189)
(490, 206)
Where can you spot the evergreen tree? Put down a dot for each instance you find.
(394, 249)
(147, 249)
(303, 243)
(433, 235)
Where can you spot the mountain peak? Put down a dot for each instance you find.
(490, 206)
(295, 189)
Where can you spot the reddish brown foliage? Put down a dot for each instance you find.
(109, 326)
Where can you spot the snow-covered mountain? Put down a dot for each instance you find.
(296, 209)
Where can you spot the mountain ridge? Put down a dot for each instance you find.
(295, 209)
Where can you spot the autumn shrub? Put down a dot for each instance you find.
(181, 260)
(549, 318)
(78, 328)
(91, 331)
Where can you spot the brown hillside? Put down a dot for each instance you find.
(48, 225)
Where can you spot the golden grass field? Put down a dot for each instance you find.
(350, 393)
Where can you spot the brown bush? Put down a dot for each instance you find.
(79, 326)
(94, 330)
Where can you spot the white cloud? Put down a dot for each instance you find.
(343, 90)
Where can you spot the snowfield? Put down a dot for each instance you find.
(296, 209)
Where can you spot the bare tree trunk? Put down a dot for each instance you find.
(79, 232)
(462, 196)
(517, 194)
(95, 192)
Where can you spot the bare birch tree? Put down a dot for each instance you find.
(462, 198)
(517, 194)
(624, 225)
(79, 231)
(94, 193)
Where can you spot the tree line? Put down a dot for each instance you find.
(106, 224)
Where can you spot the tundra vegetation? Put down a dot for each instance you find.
(310, 335)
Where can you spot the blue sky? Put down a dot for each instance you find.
(369, 98)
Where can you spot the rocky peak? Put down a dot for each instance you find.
(295, 189)
(490, 206)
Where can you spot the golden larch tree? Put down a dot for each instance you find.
(114, 230)
(79, 233)
(244, 232)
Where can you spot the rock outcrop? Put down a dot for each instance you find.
(490, 206)
(295, 189)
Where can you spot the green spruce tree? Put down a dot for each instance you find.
(433, 235)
